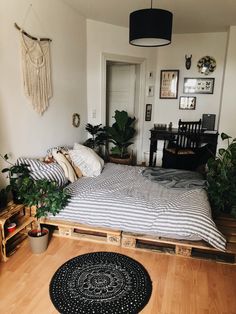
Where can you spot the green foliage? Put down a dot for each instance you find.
(121, 133)
(98, 136)
(16, 174)
(221, 178)
(45, 195)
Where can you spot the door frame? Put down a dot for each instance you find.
(141, 95)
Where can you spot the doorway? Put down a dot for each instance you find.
(123, 81)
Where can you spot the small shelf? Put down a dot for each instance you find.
(10, 241)
(21, 225)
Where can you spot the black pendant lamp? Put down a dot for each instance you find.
(150, 27)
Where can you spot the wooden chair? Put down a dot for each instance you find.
(180, 153)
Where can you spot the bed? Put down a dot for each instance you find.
(130, 199)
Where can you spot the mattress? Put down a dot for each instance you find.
(122, 198)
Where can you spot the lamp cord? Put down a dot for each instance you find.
(151, 4)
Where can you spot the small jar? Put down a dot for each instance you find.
(11, 227)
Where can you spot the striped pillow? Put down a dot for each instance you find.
(40, 170)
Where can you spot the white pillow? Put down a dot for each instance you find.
(87, 160)
(66, 166)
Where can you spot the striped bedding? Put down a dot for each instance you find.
(121, 198)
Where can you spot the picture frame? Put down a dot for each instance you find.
(169, 84)
(199, 85)
(187, 103)
(148, 112)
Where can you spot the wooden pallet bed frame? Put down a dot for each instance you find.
(74, 230)
(194, 249)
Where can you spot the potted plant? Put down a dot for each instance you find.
(43, 195)
(98, 137)
(120, 134)
(46, 197)
(221, 178)
(16, 174)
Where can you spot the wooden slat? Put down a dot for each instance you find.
(198, 249)
(185, 243)
(64, 223)
(78, 231)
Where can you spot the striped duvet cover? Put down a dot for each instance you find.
(121, 198)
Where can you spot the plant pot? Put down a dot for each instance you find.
(117, 160)
(38, 244)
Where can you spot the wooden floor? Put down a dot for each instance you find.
(180, 285)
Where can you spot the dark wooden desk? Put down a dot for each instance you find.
(209, 138)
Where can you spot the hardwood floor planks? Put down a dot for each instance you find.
(180, 285)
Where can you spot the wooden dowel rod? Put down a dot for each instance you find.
(31, 37)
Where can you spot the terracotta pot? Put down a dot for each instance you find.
(38, 244)
(117, 160)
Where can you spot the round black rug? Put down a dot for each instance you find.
(100, 283)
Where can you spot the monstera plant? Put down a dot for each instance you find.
(221, 178)
(121, 133)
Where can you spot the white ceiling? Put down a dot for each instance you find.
(190, 16)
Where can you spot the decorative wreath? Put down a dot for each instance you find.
(206, 65)
(76, 120)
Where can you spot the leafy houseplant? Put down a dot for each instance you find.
(121, 133)
(44, 195)
(98, 136)
(47, 198)
(16, 175)
(221, 178)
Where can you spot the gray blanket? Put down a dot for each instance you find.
(175, 178)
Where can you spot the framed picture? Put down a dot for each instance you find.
(148, 113)
(169, 84)
(187, 103)
(199, 85)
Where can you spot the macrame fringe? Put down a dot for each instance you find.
(36, 72)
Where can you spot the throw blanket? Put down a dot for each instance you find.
(175, 178)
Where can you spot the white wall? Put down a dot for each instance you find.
(23, 132)
(228, 110)
(173, 57)
(106, 38)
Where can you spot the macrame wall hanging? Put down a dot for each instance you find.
(35, 53)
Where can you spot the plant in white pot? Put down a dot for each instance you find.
(46, 197)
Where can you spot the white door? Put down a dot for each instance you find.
(120, 90)
(121, 93)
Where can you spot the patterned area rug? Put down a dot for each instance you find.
(100, 283)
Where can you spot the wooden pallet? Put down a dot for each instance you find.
(81, 232)
(197, 249)
(227, 225)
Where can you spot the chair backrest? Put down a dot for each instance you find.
(188, 134)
